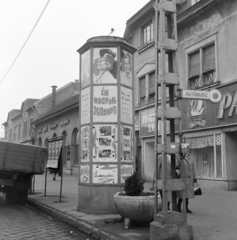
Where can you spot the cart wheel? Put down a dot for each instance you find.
(22, 197)
(11, 196)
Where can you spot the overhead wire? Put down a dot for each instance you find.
(41, 14)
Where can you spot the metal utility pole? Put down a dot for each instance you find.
(166, 111)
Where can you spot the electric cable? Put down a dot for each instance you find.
(41, 14)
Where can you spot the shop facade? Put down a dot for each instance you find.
(207, 60)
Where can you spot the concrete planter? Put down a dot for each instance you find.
(136, 208)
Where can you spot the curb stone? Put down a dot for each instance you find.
(82, 225)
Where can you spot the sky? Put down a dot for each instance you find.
(50, 55)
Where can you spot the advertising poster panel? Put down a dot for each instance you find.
(126, 68)
(85, 173)
(106, 174)
(126, 171)
(54, 150)
(105, 104)
(85, 106)
(126, 105)
(126, 143)
(104, 65)
(85, 144)
(85, 69)
(105, 143)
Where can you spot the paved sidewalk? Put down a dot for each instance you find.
(214, 213)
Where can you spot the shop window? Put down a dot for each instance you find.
(147, 32)
(142, 87)
(201, 67)
(206, 154)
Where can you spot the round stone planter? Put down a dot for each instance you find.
(136, 208)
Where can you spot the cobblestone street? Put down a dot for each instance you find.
(23, 222)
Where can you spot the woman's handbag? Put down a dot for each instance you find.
(197, 190)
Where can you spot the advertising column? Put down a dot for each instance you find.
(106, 122)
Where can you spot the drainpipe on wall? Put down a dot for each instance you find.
(53, 96)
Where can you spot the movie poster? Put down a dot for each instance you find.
(54, 150)
(126, 105)
(105, 104)
(105, 143)
(85, 69)
(126, 171)
(85, 144)
(126, 68)
(85, 105)
(126, 143)
(105, 174)
(104, 65)
(85, 173)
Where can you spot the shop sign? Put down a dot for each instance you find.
(147, 123)
(39, 130)
(197, 113)
(53, 125)
(228, 102)
(64, 122)
(46, 128)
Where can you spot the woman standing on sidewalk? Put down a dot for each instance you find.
(188, 172)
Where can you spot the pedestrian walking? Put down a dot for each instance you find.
(188, 172)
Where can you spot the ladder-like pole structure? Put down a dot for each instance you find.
(167, 78)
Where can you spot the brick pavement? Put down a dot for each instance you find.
(22, 223)
(214, 214)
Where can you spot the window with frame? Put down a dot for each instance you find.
(201, 67)
(142, 87)
(147, 33)
(14, 133)
(19, 131)
(206, 154)
(24, 128)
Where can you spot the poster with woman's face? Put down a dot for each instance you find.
(105, 143)
(104, 65)
(126, 68)
(85, 69)
(126, 143)
(85, 144)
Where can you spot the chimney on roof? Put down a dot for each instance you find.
(53, 96)
(76, 81)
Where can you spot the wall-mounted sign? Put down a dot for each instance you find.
(105, 104)
(85, 144)
(105, 143)
(39, 130)
(147, 123)
(197, 113)
(85, 173)
(45, 129)
(126, 105)
(53, 125)
(85, 105)
(64, 122)
(105, 174)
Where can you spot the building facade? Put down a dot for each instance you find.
(57, 116)
(207, 60)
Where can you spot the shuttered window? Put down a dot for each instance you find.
(209, 58)
(194, 64)
(143, 87)
(152, 83)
